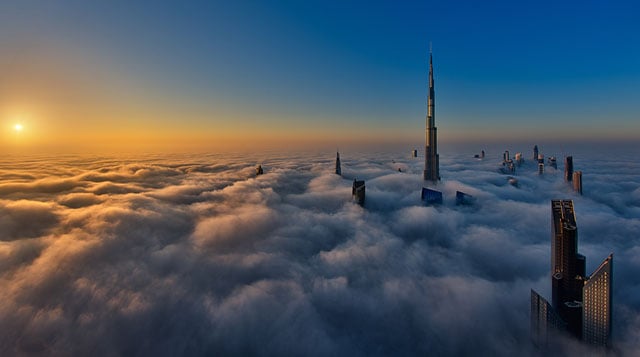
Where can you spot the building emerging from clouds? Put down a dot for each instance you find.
(568, 266)
(431, 197)
(464, 199)
(431, 157)
(358, 191)
(568, 168)
(577, 181)
(338, 167)
(545, 322)
(581, 305)
(596, 305)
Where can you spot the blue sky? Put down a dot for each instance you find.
(503, 69)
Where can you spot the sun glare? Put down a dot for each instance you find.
(18, 127)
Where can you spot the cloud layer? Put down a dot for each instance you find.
(193, 255)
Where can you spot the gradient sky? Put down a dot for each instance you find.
(244, 74)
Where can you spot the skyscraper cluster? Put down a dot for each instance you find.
(581, 304)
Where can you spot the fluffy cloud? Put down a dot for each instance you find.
(193, 255)
(26, 219)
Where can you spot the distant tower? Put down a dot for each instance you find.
(431, 157)
(338, 168)
(519, 159)
(358, 191)
(577, 181)
(259, 170)
(540, 163)
(535, 152)
(568, 168)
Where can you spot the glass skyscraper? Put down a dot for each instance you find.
(596, 305)
(581, 305)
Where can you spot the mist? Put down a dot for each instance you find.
(195, 255)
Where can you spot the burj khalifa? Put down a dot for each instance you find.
(431, 157)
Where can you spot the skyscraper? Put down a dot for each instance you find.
(338, 167)
(596, 302)
(431, 157)
(577, 181)
(568, 168)
(358, 191)
(568, 267)
(580, 304)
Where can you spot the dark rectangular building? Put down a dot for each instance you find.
(568, 267)
(358, 191)
(431, 196)
(568, 168)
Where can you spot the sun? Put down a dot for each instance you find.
(18, 127)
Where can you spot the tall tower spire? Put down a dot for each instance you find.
(431, 157)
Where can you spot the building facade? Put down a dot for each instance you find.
(545, 322)
(596, 305)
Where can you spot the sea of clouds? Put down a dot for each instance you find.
(194, 255)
